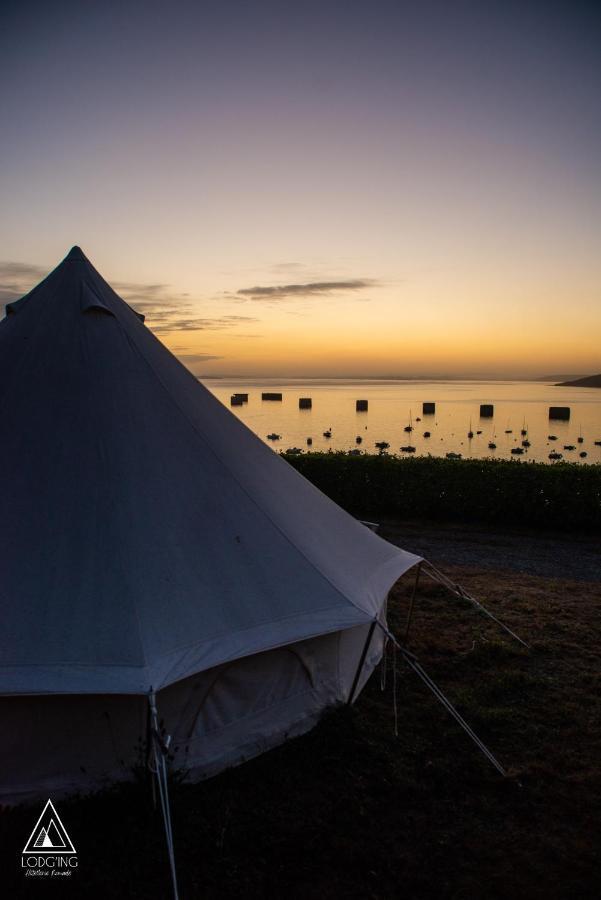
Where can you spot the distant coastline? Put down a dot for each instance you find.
(591, 381)
(281, 378)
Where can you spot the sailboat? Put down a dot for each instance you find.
(409, 427)
(470, 433)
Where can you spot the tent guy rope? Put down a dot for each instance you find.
(412, 661)
(436, 575)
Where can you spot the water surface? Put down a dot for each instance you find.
(392, 405)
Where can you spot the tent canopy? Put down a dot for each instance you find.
(147, 533)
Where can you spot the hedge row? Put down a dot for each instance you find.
(562, 496)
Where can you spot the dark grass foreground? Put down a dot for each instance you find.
(351, 811)
(562, 496)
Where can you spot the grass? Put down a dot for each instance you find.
(351, 811)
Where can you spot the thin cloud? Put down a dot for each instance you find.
(21, 271)
(308, 289)
(193, 359)
(10, 292)
(144, 293)
(163, 321)
(288, 267)
(241, 334)
(17, 279)
(167, 312)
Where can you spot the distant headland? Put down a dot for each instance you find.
(592, 381)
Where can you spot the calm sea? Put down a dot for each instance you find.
(393, 405)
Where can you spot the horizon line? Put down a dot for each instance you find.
(357, 377)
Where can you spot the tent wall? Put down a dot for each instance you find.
(57, 744)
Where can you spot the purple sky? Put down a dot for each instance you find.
(445, 155)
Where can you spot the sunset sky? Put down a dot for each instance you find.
(345, 188)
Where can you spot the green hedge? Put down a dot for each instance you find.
(563, 495)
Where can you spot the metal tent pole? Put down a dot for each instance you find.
(351, 696)
(160, 749)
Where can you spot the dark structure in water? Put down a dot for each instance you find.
(487, 410)
(560, 412)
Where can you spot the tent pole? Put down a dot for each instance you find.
(151, 768)
(412, 602)
(160, 751)
(436, 575)
(351, 696)
(411, 660)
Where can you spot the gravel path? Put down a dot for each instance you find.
(551, 555)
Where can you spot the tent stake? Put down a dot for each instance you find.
(160, 751)
(411, 660)
(361, 662)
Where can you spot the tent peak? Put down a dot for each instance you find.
(75, 254)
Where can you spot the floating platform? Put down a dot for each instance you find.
(560, 412)
(243, 397)
(235, 400)
(271, 396)
(305, 403)
(487, 410)
(361, 405)
(428, 409)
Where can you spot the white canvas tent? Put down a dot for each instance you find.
(152, 543)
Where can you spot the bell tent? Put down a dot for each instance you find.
(155, 549)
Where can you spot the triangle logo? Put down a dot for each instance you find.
(49, 833)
